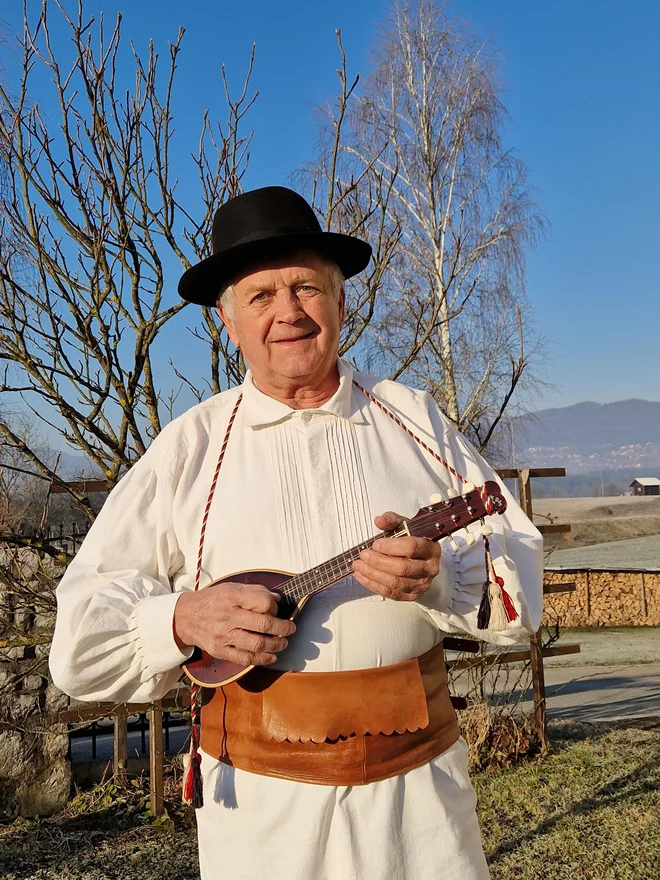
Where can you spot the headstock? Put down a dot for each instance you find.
(446, 515)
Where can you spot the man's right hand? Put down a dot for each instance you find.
(234, 622)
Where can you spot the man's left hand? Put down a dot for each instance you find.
(398, 568)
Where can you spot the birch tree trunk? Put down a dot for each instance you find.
(424, 133)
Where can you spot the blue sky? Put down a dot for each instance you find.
(582, 85)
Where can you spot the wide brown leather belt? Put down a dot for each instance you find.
(333, 728)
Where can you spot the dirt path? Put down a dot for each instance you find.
(603, 693)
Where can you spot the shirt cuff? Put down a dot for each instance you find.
(155, 624)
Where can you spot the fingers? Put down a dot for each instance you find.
(398, 568)
(227, 640)
(255, 643)
(388, 521)
(234, 622)
(244, 658)
(401, 566)
(264, 624)
(253, 597)
(390, 586)
(406, 546)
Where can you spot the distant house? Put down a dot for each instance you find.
(646, 486)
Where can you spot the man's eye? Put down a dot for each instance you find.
(260, 297)
(306, 288)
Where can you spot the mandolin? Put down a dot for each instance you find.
(443, 517)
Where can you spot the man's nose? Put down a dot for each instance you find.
(289, 307)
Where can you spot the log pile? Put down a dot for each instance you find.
(604, 598)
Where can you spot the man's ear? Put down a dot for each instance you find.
(342, 305)
(229, 325)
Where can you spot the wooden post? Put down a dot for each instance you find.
(588, 609)
(645, 610)
(120, 759)
(156, 759)
(538, 683)
(525, 488)
(535, 642)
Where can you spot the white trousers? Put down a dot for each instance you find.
(421, 825)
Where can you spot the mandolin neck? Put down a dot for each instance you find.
(436, 521)
(328, 573)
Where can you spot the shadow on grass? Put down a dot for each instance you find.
(33, 845)
(565, 732)
(100, 844)
(625, 789)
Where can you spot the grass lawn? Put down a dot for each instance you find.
(590, 810)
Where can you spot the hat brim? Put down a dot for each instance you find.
(202, 283)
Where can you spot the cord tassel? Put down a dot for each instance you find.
(186, 782)
(192, 780)
(483, 617)
(496, 610)
(498, 617)
(509, 607)
(193, 788)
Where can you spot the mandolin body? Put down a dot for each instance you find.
(210, 672)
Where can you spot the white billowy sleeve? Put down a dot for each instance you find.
(114, 635)
(516, 546)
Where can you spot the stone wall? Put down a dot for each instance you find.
(604, 598)
(35, 774)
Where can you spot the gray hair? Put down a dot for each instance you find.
(336, 276)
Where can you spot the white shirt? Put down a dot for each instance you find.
(296, 488)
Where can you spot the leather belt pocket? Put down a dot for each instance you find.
(325, 706)
(321, 706)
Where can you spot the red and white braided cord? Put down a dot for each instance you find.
(488, 504)
(194, 688)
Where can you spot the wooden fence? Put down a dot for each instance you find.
(64, 536)
(524, 477)
(176, 701)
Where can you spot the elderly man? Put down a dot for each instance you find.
(338, 756)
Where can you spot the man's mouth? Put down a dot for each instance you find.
(292, 340)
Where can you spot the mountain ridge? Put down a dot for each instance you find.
(591, 436)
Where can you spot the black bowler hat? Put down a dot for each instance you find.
(263, 223)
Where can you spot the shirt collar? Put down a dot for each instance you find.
(260, 410)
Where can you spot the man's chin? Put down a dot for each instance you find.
(298, 366)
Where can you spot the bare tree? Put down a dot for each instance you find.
(91, 228)
(421, 149)
(351, 198)
(22, 492)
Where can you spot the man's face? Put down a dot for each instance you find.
(286, 318)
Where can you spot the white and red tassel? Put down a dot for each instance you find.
(498, 619)
(193, 792)
(496, 610)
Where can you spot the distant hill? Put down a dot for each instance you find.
(602, 446)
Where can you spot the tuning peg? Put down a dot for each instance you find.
(469, 537)
(452, 493)
(486, 530)
(468, 487)
(454, 545)
(437, 498)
